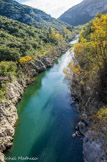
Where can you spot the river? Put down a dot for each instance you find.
(47, 119)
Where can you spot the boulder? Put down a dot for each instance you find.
(81, 127)
(40, 67)
(84, 118)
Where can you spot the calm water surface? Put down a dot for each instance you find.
(46, 119)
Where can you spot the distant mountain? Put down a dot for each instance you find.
(83, 12)
(28, 15)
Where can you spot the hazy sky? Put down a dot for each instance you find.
(53, 7)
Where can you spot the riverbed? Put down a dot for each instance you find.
(47, 119)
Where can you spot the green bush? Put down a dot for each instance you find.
(7, 68)
(18, 40)
(9, 54)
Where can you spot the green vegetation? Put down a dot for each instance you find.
(7, 68)
(91, 54)
(100, 121)
(25, 34)
(18, 40)
(21, 43)
(30, 16)
(90, 70)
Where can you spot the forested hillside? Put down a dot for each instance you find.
(20, 43)
(18, 39)
(30, 16)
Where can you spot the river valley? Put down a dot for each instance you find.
(47, 119)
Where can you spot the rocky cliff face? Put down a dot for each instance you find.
(94, 143)
(14, 90)
(83, 12)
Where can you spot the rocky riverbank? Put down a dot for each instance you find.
(88, 72)
(94, 140)
(14, 91)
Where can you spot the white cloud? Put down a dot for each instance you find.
(53, 7)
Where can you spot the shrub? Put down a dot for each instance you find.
(9, 54)
(7, 68)
(102, 114)
(25, 59)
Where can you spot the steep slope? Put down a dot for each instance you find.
(18, 40)
(83, 12)
(28, 15)
(25, 51)
(89, 88)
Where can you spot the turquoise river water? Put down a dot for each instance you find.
(47, 120)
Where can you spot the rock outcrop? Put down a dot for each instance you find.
(47, 62)
(8, 118)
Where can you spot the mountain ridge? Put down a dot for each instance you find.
(83, 12)
(28, 15)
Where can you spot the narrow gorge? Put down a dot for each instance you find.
(53, 81)
(46, 119)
